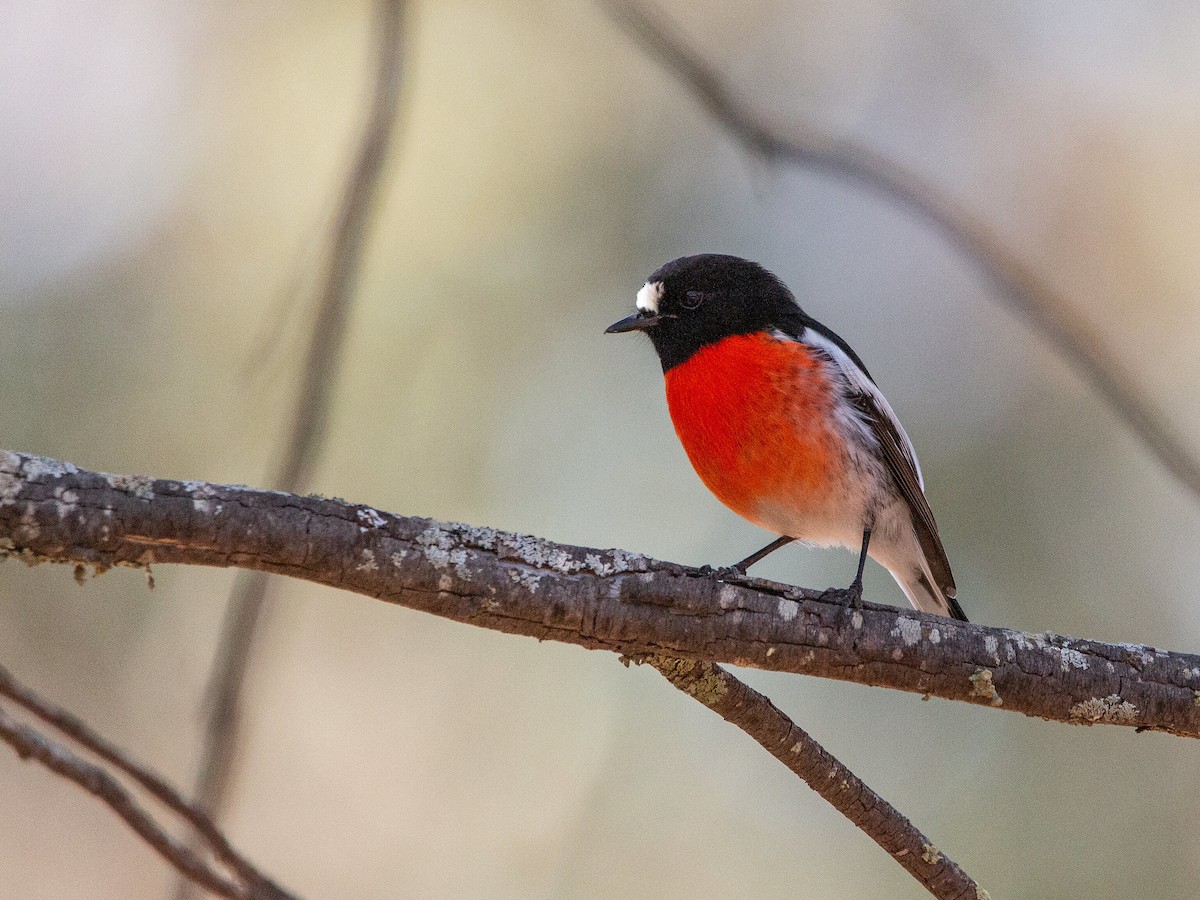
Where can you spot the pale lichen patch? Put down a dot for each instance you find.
(787, 609)
(439, 538)
(1027, 641)
(1071, 659)
(368, 563)
(203, 497)
(370, 518)
(35, 467)
(728, 596)
(1111, 709)
(908, 630)
(931, 854)
(1139, 655)
(624, 561)
(621, 561)
(140, 486)
(525, 578)
(983, 687)
(599, 566)
(991, 647)
(542, 554)
(29, 527)
(440, 549)
(67, 501)
(856, 620)
(10, 487)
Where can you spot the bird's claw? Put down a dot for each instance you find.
(722, 573)
(849, 596)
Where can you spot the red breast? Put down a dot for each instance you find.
(753, 413)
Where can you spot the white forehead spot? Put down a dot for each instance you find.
(649, 295)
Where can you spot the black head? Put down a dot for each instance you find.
(698, 300)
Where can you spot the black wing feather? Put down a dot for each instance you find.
(905, 475)
(894, 447)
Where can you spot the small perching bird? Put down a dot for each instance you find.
(783, 423)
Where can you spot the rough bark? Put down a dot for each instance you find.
(601, 599)
(741, 705)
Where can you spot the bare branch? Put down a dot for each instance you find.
(244, 615)
(1046, 309)
(29, 744)
(740, 705)
(257, 884)
(601, 599)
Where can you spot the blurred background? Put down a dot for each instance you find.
(165, 175)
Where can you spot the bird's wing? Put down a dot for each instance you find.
(894, 444)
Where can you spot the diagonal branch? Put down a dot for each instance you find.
(257, 884)
(1045, 308)
(244, 615)
(741, 705)
(601, 599)
(28, 743)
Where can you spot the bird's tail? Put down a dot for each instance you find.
(923, 594)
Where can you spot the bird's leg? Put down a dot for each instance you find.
(856, 586)
(739, 568)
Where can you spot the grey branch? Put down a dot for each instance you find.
(28, 743)
(614, 600)
(741, 705)
(245, 613)
(1023, 289)
(221, 519)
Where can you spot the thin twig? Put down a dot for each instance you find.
(29, 744)
(740, 705)
(77, 730)
(244, 615)
(1046, 309)
(602, 599)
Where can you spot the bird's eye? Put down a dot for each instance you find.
(692, 300)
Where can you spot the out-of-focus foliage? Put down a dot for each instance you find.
(164, 175)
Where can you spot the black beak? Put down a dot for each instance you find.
(639, 321)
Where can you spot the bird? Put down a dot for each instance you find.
(783, 423)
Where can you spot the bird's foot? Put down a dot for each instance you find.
(849, 596)
(722, 573)
(854, 594)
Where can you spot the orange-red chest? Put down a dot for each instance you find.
(754, 415)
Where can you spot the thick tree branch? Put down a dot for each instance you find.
(1018, 285)
(741, 705)
(601, 599)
